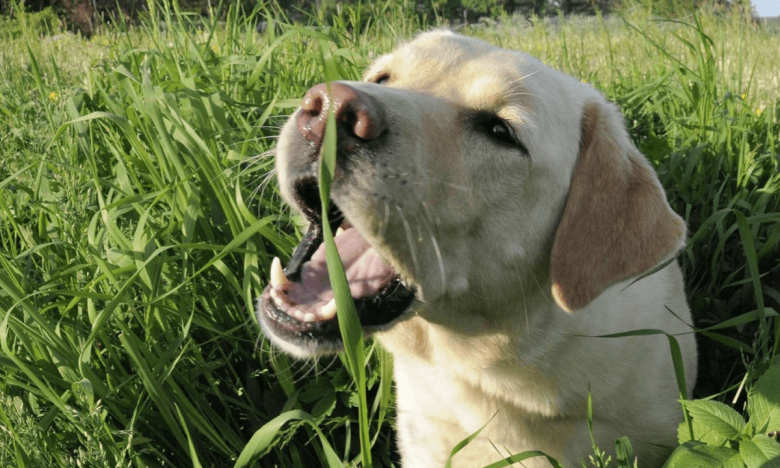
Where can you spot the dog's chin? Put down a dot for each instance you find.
(297, 310)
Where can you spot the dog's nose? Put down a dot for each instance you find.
(359, 117)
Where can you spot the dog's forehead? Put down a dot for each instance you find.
(468, 71)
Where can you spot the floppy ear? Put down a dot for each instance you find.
(617, 222)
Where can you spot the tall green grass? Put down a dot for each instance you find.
(138, 217)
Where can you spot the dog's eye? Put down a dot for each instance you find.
(382, 79)
(498, 130)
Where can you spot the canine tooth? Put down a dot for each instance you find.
(278, 280)
(339, 231)
(328, 311)
(309, 317)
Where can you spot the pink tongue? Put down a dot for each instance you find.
(366, 272)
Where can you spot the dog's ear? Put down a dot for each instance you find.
(617, 222)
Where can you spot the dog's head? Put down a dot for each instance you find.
(467, 176)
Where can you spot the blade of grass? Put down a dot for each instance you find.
(264, 436)
(22, 459)
(349, 323)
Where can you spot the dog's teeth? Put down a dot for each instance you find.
(309, 317)
(278, 280)
(280, 298)
(339, 231)
(297, 313)
(328, 311)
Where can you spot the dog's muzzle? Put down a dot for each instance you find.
(298, 305)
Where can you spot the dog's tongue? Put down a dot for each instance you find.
(366, 272)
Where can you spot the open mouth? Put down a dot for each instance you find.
(299, 302)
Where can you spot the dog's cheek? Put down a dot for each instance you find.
(446, 177)
(291, 151)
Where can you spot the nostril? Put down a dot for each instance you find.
(348, 119)
(313, 104)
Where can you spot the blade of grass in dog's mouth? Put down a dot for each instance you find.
(349, 323)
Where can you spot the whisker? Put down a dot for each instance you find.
(526, 76)
(386, 221)
(250, 127)
(431, 214)
(525, 302)
(251, 161)
(260, 337)
(265, 183)
(516, 94)
(443, 182)
(309, 365)
(439, 258)
(536, 280)
(328, 366)
(257, 138)
(408, 230)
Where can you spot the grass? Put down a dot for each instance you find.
(138, 218)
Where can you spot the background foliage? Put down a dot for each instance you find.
(86, 16)
(138, 217)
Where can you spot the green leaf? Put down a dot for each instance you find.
(324, 406)
(764, 401)
(85, 386)
(743, 319)
(22, 460)
(721, 419)
(746, 234)
(697, 455)
(760, 452)
(702, 433)
(264, 436)
(349, 323)
(193, 451)
(624, 452)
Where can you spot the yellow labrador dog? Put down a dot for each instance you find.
(493, 215)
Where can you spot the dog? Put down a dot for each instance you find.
(494, 217)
